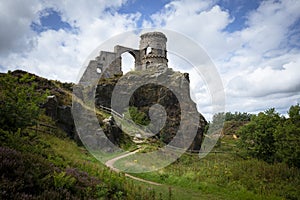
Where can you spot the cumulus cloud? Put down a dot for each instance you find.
(267, 81)
(259, 63)
(58, 54)
(15, 19)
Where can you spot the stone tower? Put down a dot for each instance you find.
(153, 51)
(152, 54)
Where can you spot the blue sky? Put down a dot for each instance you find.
(238, 10)
(255, 45)
(50, 19)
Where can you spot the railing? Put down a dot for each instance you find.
(143, 130)
(106, 109)
(41, 124)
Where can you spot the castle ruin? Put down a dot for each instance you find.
(152, 53)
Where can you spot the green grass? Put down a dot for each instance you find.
(227, 175)
(37, 165)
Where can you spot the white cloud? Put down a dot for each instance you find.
(267, 81)
(265, 72)
(59, 54)
(15, 19)
(258, 64)
(200, 20)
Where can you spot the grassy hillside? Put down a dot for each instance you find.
(226, 174)
(39, 160)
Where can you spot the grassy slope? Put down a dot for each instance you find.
(64, 154)
(43, 165)
(58, 167)
(84, 161)
(218, 176)
(227, 176)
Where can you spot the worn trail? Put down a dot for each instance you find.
(110, 164)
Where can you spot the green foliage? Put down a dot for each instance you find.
(270, 137)
(217, 121)
(258, 135)
(39, 166)
(19, 101)
(228, 122)
(232, 127)
(294, 114)
(35, 165)
(137, 116)
(237, 116)
(228, 176)
(287, 138)
(62, 180)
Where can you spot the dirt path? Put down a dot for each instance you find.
(110, 164)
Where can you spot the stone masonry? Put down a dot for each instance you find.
(152, 52)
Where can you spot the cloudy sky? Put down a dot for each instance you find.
(255, 45)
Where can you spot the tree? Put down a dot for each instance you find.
(287, 137)
(237, 116)
(294, 114)
(258, 135)
(19, 101)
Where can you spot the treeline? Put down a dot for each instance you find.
(267, 135)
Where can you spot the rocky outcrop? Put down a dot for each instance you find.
(163, 87)
(62, 116)
(111, 130)
(146, 89)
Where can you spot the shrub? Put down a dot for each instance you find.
(19, 102)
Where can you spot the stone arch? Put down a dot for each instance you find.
(119, 50)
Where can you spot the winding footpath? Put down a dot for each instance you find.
(110, 164)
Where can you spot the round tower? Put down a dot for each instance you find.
(153, 51)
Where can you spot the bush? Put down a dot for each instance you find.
(271, 137)
(19, 101)
(23, 174)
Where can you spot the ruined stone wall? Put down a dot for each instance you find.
(109, 63)
(106, 65)
(152, 53)
(90, 73)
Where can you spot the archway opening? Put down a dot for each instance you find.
(148, 50)
(99, 71)
(99, 68)
(127, 63)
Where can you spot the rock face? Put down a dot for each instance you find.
(62, 115)
(148, 88)
(111, 130)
